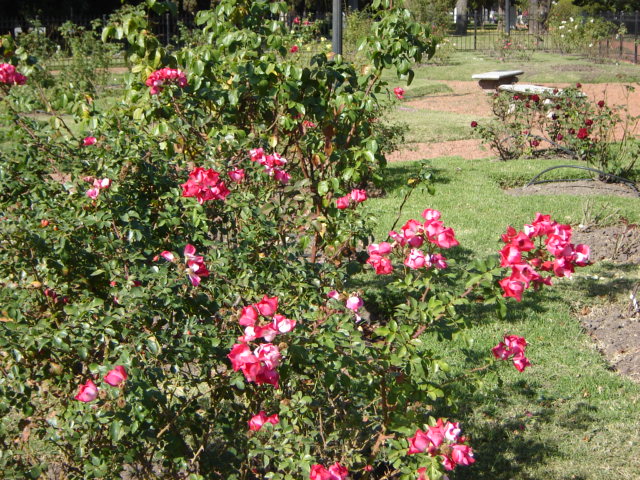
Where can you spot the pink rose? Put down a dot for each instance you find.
(87, 141)
(338, 472)
(116, 376)
(462, 454)
(237, 175)
(318, 472)
(93, 193)
(87, 392)
(521, 362)
(354, 303)
(382, 248)
(452, 431)
(399, 92)
(282, 176)
(241, 355)
(167, 255)
(500, 351)
(267, 306)
(445, 238)
(430, 214)
(283, 324)
(257, 421)
(510, 255)
(248, 316)
(382, 265)
(358, 196)
(438, 261)
(512, 288)
(515, 344)
(418, 443)
(268, 354)
(343, 202)
(416, 259)
(581, 255)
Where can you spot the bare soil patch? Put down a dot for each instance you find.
(580, 187)
(470, 149)
(615, 326)
(469, 98)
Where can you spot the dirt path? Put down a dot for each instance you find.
(468, 98)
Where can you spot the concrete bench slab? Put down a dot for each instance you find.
(537, 89)
(497, 74)
(489, 81)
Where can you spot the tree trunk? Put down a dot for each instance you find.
(462, 19)
(534, 16)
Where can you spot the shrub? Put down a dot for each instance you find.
(561, 122)
(174, 277)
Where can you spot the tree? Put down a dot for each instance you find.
(462, 18)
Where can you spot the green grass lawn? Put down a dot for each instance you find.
(563, 417)
(542, 68)
(428, 126)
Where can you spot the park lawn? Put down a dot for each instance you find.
(543, 67)
(561, 418)
(428, 126)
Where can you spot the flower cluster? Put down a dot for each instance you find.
(260, 365)
(165, 75)
(98, 184)
(513, 347)
(204, 185)
(399, 92)
(196, 269)
(356, 196)
(88, 392)
(334, 472)
(411, 237)
(443, 440)
(257, 421)
(272, 164)
(555, 253)
(9, 76)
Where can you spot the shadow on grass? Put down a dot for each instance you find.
(508, 448)
(398, 173)
(609, 280)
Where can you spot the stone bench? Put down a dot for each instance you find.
(535, 89)
(489, 81)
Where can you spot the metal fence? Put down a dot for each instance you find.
(490, 38)
(480, 36)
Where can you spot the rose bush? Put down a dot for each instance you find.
(561, 122)
(203, 276)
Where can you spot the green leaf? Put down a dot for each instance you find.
(115, 430)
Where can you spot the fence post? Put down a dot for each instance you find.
(166, 19)
(336, 30)
(621, 44)
(475, 29)
(507, 16)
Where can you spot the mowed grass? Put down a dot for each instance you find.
(425, 126)
(563, 417)
(541, 68)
